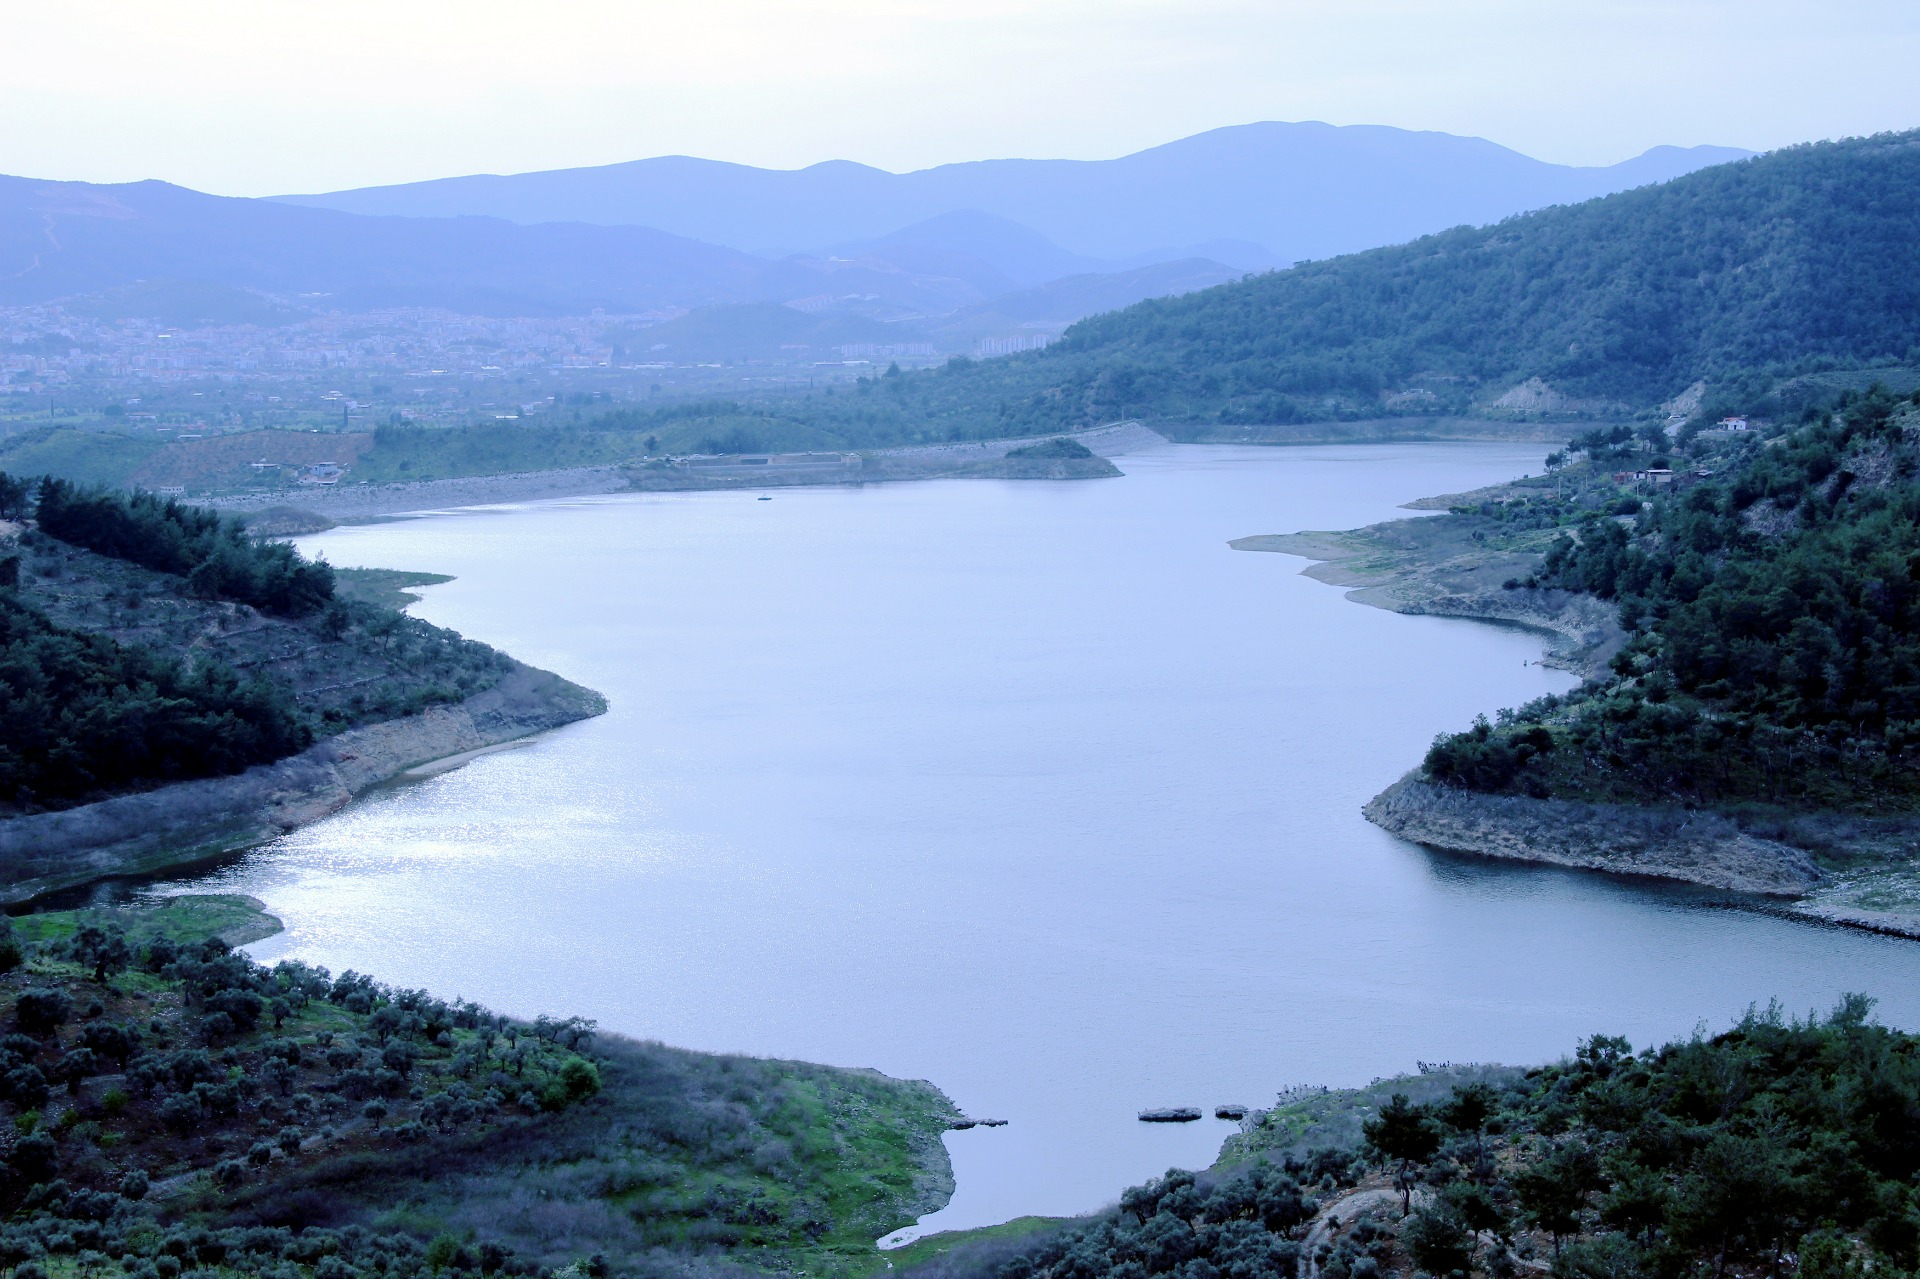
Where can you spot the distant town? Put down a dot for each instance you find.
(337, 371)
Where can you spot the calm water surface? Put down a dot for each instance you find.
(1035, 790)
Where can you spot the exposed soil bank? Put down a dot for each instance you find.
(192, 821)
(1383, 430)
(1860, 872)
(1697, 847)
(983, 459)
(1423, 566)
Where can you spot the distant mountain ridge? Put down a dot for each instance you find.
(1290, 190)
(64, 239)
(1021, 256)
(162, 251)
(955, 253)
(1744, 276)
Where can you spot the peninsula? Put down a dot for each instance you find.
(1737, 600)
(181, 689)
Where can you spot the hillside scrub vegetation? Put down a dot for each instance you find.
(1060, 448)
(1778, 1147)
(83, 715)
(1773, 602)
(177, 1108)
(144, 642)
(406, 453)
(212, 551)
(1747, 275)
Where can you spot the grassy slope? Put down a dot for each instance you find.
(779, 1165)
(191, 918)
(1307, 1119)
(88, 457)
(933, 1251)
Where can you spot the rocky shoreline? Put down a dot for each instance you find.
(1401, 567)
(1854, 871)
(1694, 847)
(189, 822)
(1833, 868)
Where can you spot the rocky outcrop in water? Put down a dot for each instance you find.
(193, 821)
(1170, 1115)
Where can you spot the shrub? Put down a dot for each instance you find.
(181, 1113)
(41, 1011)
(580, 1078)
(441, 1251)
(1439, 1240)
(34, 1159)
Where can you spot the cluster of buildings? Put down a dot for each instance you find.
(47, 347)
(887, 350)
(1013, 345)
(304, 369)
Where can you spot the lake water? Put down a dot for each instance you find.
(1036, 790)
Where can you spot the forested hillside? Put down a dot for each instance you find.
(1740, 274)
(1777, 1147)
(143, 642)
(213, 552)
(1773, 598)
(174, 1108)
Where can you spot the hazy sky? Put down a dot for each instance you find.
(259, 96)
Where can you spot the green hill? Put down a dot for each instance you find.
(1774, 1147)
(1743, 274)
(174, 1108)
(1773, 599)
(1805, 254)
(121, 668)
